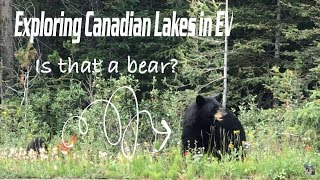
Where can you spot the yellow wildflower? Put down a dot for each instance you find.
(236, 132)
(5, 113)
(231, 146)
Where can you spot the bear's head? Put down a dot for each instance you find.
(210, 109)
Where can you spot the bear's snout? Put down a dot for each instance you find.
(219, 115)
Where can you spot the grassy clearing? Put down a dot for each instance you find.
(279, 163)
(279, 149)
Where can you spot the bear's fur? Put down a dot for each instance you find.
(208, 127)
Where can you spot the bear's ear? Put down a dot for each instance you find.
(200, 100)
(218, 97)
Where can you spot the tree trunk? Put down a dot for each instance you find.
(225, 61)
(1, 89)
(6, 46)
(1, 72)
(278, 33)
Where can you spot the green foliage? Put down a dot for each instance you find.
(26, 56)
(200, 58)
(286, 86)
(308, 114)
(18, 124)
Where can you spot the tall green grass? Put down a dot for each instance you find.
(261, 163)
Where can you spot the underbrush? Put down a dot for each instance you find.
(282, 140)
(267, 158)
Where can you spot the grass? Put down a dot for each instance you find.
(282, 162)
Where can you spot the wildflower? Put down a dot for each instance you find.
(231, 146)
(32, 155)
(121, 158)
(197, 156)
(116, 97)
(186, 153)
(308, 148)
(236, 132)
(246, 145)
(146, 144)
(127, 149)
(103, 155)
(12, 152)
(43, 154)
(54, 151)
(5, 113)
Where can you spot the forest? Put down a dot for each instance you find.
(60, 87)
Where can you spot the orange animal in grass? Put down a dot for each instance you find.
(65, 147)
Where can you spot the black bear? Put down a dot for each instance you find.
(36, 144)
(208, 127)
